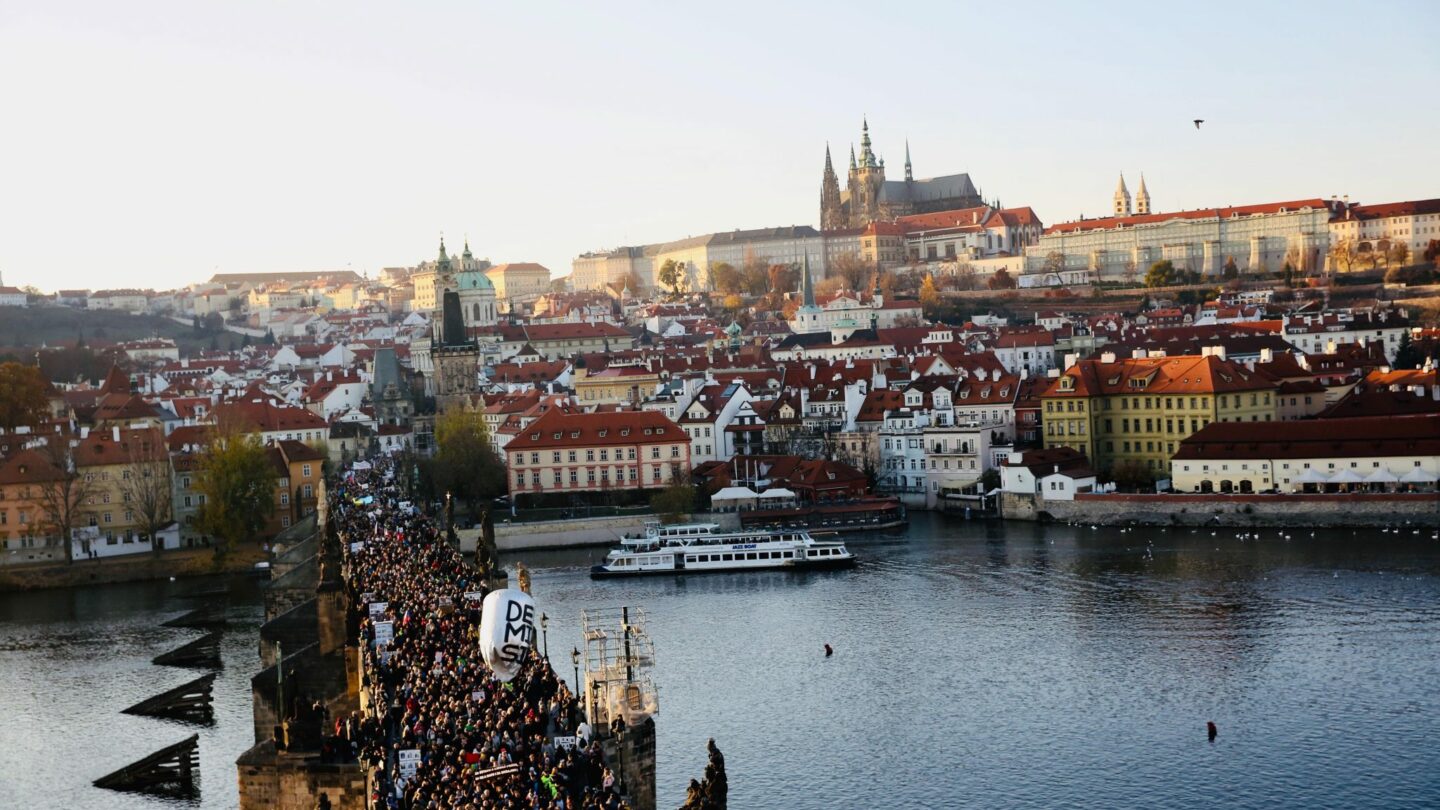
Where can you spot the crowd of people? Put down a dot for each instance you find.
(482, 743)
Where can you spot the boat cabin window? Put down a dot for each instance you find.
(727, 557)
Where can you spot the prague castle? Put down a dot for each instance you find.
(868, 197)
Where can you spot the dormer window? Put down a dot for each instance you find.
(534, 437)
(604, 433)
(624, 431)
(575, 434)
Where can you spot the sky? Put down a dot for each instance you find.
(152, 144)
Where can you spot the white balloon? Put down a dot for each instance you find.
(507, 631)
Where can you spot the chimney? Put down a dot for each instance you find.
(1071, 359)
(1218, 351)
(1267, 355)
(84, 433)
(1107, 357)
(1138, 354)
(115, 434)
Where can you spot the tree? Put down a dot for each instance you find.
(670, 275)
(725, 278)
(1054, 262)
(1001, 280)
(1230, 271)
(64, 491)
(1399, 254)
(1406, 355)
(1132, 475)
(929, 297)
(466, 464)
(677, 499)
(1432, 252)
(145, 485)
(733, 302)
(1161, 274)
(1343, 253)
(784, 278)
(851, 268)
(237, 482)
(23, 397)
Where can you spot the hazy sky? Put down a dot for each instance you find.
(154, 143)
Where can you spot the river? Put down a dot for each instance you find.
(976, 665)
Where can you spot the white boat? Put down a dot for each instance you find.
(702, 548)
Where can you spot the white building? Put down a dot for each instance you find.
(13, 297)
(1370, 229)
(1359, 454)
(1260, 238)
(124, 300)
(957, 455)
(598, 269)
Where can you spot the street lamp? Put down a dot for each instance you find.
(575, 659)
(545, 635)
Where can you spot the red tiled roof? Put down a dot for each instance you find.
(1331, 438)
(561, 429)
(1104, 223)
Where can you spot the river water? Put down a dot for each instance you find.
(976, 665)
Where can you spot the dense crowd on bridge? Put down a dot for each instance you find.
(430, 690)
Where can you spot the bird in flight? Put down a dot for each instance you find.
(1198, 122)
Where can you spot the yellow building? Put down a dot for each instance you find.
(1140, 409)
(615, 385)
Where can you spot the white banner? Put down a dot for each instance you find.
(384, 633)
(408, 761)
(565, 742)
(377, 609)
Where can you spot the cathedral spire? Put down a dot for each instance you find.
(852, 157)
(831, 208)
(909, 175)
(1142, 197)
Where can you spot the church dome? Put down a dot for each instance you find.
(473, 280)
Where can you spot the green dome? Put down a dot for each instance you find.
(473, 280)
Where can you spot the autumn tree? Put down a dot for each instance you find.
(23, 397)
(670, 275)
(237, 482)
(145, 484)
(64, 491)
(784, 278)
(1230, 270)
(929, 297)
(465, 463)
(1343, 254)
(725, 278)
(1002, 280)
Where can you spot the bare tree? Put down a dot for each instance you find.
(853, 269)
(145, 485)
(64, 491)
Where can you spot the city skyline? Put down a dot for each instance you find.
(170, 144)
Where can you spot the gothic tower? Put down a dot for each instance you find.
(1122, 198)
(1142, 197)
(866, 179)
(832, 212)
(909, 175)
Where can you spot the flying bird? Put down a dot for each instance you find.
(1198, 122)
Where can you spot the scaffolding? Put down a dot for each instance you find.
(619, 655)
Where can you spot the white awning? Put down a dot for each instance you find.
(1311, 476)
(734, 494)
(1419, 475)
(1346, 476)
(1381, 476)
(777, 493)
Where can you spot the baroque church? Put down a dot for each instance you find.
(868, 197)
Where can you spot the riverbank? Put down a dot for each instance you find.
(1319, 510)
(178, 564)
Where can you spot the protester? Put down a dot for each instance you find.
(482, 743)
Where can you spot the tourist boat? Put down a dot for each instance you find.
(703, 548)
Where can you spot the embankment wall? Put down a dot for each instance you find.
(1371, 509)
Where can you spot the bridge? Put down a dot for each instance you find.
(374, 692)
